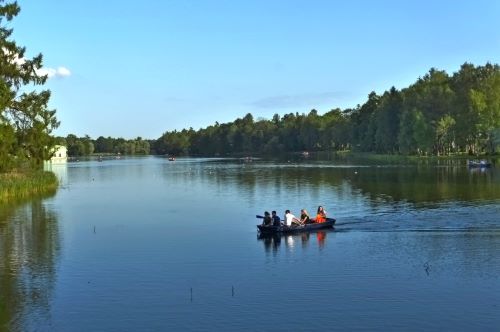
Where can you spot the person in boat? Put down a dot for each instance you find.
(267, 221)
(321, 215)
(304, 217)
(290, 219)
(276, 219)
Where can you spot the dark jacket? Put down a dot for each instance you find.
(276, 221)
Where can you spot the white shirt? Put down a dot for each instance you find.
(289, 218)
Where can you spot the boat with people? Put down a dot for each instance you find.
(478, 164)
(247, 159)
(282, 229)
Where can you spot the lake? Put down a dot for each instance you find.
(144, 244)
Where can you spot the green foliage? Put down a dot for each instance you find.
(34, 123)
(26, 123)
(84, 146)
(406, 141)
(445, 135)
(7, 141)
(495, 140)
(363, 123)
(386, 122)
(422, 134)
(79, 146)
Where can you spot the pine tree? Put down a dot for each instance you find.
(25, 120)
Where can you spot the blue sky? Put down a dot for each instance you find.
(140, 68)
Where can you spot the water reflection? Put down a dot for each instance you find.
(415, 184)
(427, 184)
(273, 242)
(29, 251)
(60, 170)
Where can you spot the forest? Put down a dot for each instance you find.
(439, 114)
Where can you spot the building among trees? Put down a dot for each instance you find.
(60, 155)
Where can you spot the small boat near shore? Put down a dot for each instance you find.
(247, 159)
(296, 229)
(478, 164)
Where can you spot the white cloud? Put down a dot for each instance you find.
(50, 72)
(54, 72)
(63, 72)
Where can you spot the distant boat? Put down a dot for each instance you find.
(171, 158)
(247, 159)
(478, 164)
(296, 229)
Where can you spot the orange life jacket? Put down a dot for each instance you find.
(320, 218)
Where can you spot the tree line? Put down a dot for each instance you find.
(26, 122)
(84, 146)
(439, 114)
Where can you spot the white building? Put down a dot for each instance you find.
(60, 155)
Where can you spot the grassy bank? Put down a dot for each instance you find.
(18, 185)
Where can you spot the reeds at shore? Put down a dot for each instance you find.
(19, 185)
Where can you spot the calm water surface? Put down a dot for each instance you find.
(147, 245)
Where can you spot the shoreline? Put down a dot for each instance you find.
(345, 155)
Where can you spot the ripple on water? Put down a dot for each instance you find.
(450, 216)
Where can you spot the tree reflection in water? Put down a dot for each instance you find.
(29, 250)
(407, 183)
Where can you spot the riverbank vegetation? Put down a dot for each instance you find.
(439, 114)
(26, 122)
(20, 185)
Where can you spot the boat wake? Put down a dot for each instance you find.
(444, 218)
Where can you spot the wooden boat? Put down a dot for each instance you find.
(480, 164)
(296, 229)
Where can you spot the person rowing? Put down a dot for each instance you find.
(267, 221)
(290, 219)
(304, 217)
(276, 219)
